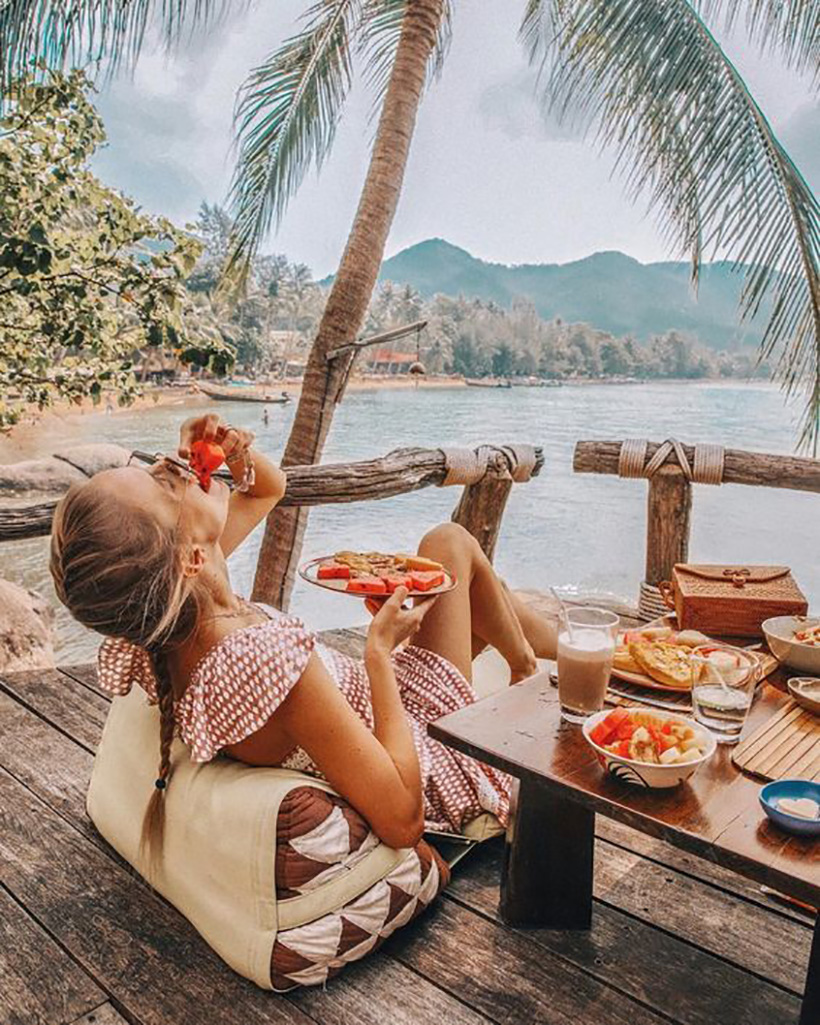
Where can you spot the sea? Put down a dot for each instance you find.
(583, 533)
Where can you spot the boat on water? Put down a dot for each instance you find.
(243, 393)
(488, 382)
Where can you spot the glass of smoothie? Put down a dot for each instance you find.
(586, 647)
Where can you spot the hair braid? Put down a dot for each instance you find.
(153, 824)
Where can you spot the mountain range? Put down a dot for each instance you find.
(609, 290)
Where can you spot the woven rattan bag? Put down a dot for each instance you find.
(731, 601)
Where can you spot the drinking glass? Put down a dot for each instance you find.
(586, 647)
(723, 687)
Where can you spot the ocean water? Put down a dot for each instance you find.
(581, 531)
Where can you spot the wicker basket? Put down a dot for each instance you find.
(731, 601)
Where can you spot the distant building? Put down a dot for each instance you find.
(386, 361)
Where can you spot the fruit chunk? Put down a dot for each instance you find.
(419, 562)
(206, 456)
(396, 580)
(332, 570)
(605, 731)
(367, 585)
(425, 581)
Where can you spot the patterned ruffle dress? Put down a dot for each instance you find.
(238, 685)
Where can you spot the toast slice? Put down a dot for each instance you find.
(667, 663)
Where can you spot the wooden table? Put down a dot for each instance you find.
(547, 874)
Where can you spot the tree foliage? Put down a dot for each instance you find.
(86, 279)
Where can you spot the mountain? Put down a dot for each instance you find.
(609, 290)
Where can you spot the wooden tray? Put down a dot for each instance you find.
(786, 746)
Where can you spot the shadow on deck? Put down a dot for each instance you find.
(82, 939)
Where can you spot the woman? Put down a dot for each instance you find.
(140, 556)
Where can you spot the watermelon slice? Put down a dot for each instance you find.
(426, 581)
(331, 570)
(367, 585)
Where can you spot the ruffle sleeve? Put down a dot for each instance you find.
(240, 683)
(121, 664)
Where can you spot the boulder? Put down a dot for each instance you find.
(56, 472)
(26, 629)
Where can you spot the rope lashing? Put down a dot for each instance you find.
(469, 466)
(522, 459)
(706, 468)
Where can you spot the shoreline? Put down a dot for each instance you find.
(59, 421)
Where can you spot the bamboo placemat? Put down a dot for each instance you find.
(786, 746)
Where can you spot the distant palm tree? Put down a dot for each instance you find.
(648, 75)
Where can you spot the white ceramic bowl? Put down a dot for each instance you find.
(648, 774)
(779, 634)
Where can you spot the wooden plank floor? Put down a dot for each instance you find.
(83, 940)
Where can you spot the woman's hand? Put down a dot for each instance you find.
(233, 441)
(393, 623)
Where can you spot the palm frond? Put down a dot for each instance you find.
(659, 89)
(379, 40)
(791, 27)
(60, 33)
(286, 118)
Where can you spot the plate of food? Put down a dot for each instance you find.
(660, 657)
(377, 574)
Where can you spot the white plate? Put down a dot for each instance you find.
(310, 569)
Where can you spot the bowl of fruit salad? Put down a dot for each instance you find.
(648, 748)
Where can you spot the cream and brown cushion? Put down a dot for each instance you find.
(278, 874)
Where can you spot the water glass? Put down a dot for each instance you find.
(723, 687)
(586, 648)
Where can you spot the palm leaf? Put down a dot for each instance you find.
(791, 27)
(286, 119)
(78, 32)
(379, 40)
(657, 86)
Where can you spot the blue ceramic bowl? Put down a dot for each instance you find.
(792, 788)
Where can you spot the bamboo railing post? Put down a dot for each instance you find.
(668, 515)
(481, 506)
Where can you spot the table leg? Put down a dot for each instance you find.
(810, 1012)
(546, 879)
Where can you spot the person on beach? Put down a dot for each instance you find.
(139, 555)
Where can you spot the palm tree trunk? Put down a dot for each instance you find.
(350, 296)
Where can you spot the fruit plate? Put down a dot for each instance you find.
(309, 572)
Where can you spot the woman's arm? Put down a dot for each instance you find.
(378, 772)
(247, 508)
(375, 778)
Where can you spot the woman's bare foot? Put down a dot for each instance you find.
(523, 669)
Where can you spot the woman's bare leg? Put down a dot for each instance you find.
(479, 611)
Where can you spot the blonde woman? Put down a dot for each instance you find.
(139, 555)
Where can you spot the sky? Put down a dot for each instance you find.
(486, 170)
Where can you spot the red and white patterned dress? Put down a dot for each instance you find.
(238, 685)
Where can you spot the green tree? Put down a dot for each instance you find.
(503, 361)
(85, 279)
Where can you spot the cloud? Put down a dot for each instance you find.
(801, 137)
(511, 106)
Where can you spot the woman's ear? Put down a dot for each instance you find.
(193, 561)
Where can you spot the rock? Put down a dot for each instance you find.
(26, 629)
(55, 473)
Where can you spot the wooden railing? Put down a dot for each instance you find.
(479, 510)
(669, 501)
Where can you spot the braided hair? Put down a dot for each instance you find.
(119, 572)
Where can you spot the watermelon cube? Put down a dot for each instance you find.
(425, 581)
(331, 570)
(367, 585)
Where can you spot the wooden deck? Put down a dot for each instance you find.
(82, 939)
